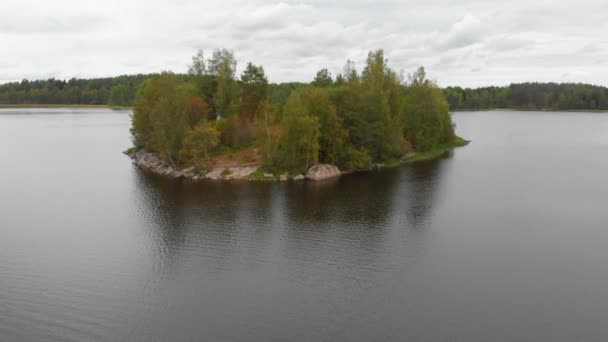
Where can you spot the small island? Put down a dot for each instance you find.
(209, 124)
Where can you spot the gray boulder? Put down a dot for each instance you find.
(322, 172)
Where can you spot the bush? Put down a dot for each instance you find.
(356, 159)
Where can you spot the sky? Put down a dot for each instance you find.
(469, 43)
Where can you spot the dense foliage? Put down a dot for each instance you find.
(530, 96)
(353, 121)
(122, 90)
(116, 91)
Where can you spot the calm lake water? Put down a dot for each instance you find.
(503, 240)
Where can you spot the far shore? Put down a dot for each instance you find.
(33, 105)
(531, 110)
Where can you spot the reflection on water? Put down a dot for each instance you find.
(502, 240)
(220, 214)
(314, 247)
(421, 185)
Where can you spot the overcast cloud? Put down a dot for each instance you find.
(464, 42)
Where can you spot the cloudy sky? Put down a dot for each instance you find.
(460, 42)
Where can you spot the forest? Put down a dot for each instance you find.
(113, 91)
(530, 96)
(122, 90)
(353, 120)
(117, 91)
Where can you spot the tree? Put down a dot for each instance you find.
(267, 130)
(254, 90)
(198, 67)
(323, 79)
(418, 78)
(454, 95)
(340, 80)
(350, 72)
(378, 130)
(159, 123)
(332, 135)
(222, 65)
(196, 109)
(120, 95)
(427, 120)
(299, 146)
(199, 142)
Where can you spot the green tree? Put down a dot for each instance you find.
(350, 72)
(427, 121)
(222, 65)
(340, 80)
(380, 133)
(323, 79)
(332, 135)
(198, 66)
(120, 95)
(158, 123)
(254, 90)
(299, 145)
(199, 143)
(267, 130)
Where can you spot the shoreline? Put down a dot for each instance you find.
(47, 105)
(150, 162)
(532, 110)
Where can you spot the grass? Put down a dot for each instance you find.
(436, 151)
(131, 151)
(258, 175)
(392, 163)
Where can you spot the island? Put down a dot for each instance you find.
(209, 124)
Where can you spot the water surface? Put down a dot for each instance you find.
(504, 240)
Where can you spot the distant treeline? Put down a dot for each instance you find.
(530, 96)
(116, 91)
(113, 91)
(122, 91)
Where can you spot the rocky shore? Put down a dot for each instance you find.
(252, 171)
(152, 163)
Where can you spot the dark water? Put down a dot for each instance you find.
(504, 240)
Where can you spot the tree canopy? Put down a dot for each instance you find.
(216, 82)
(115, 91)
(368, 117)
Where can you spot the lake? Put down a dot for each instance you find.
(503, 240)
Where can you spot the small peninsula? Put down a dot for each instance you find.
(209, 124)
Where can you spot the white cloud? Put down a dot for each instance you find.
(467, 31)
(461, 42)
